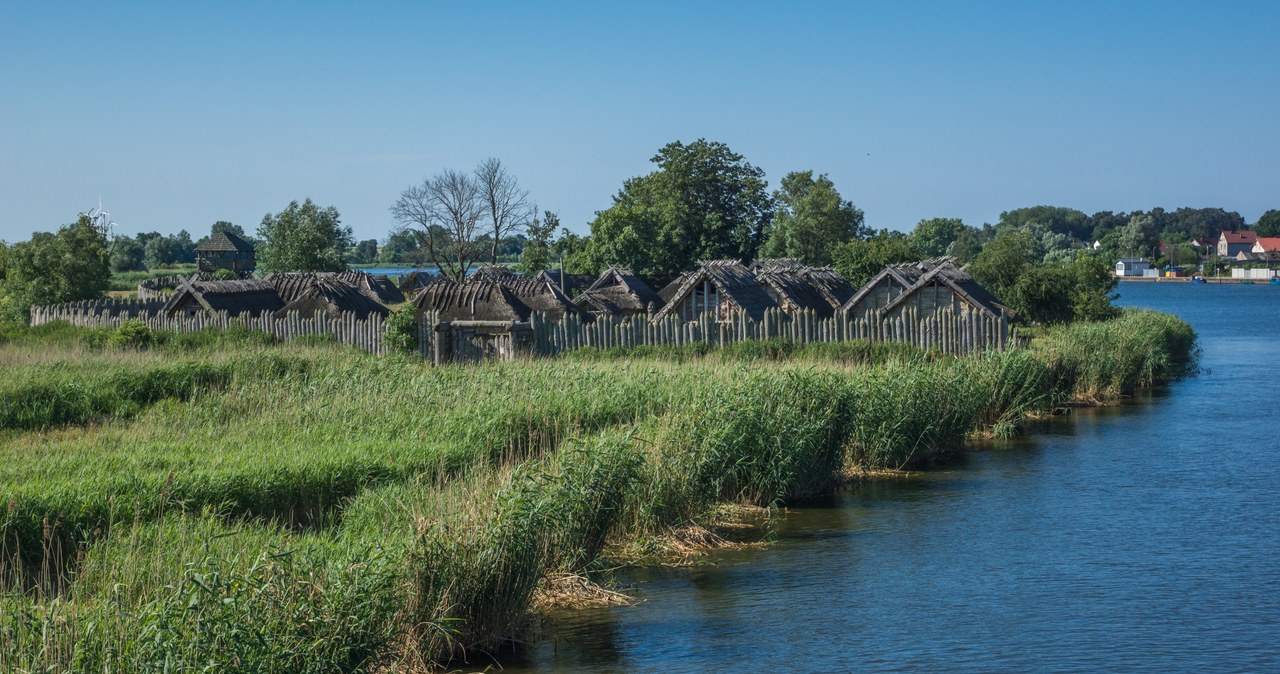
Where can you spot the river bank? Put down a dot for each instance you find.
(425, 507)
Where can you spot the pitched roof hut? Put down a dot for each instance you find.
(243, 297)
(883, 288)
(416, 280)
(618, 292)
(569, 284)
(947, 288)
(545, 298)
(332, 296)
(471, 301)
(722, 287)
(793, 292)
(379, 288)
(833, 287)
(225, 250)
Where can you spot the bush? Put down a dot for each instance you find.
(131, 334)
(225, 275)
(402, 330)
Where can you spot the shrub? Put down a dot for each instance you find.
(402, 331)
(131, 334)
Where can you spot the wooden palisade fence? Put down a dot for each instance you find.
(469, 341)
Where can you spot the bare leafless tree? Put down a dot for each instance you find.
(443, 213)
(508, 207)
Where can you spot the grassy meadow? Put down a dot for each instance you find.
(216, 502)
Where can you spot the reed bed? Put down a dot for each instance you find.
(318, 509)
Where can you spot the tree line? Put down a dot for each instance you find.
(702, 201)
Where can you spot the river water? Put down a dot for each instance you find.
(1144, 537)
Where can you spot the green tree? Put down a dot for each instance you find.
(1066, 221)
(933, 237)
(162, 251)
(860, 259)
(1093, 282)
(1042, 294)
(1269, 224)
(1139, 236)
(704, 202)
(303, 237)
(578, 254)
(811, 220)
(536, 255)
(127, 254)
(52, 268)
(224, 226)
(364, 252)
(1004, 260)
(400, 248)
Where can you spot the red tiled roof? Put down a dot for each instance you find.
(1269, 242)
(1245, 236)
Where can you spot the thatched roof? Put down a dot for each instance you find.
(496, 273)
(242, 297)
(224, 242)
(473, 300)
(379, 288)
(544, 297)
(411, 282)
(334, 297)
(569, 284)
(793, 293)
(619, 292)
(735, 284)
(901, 276)
(833, 287)
(945, 272)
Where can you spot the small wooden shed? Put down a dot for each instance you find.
(333, 297)
(570, 284)
(883, 288)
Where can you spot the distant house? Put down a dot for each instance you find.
(1132, 266)
(719, 287)
(225, 250)
(1230, 243)
(242, 297)
(947, 289)
(618, 292)
(1266, 243)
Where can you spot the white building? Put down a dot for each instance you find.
(1132, 266)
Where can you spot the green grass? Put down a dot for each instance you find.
(234, 505)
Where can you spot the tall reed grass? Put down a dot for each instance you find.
(312, 509)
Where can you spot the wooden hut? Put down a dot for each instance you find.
(618, 292)
(379, 288)
(793, 292)
(829, 283)
(946, 288)
(333, 297)
(242, 297)
(225, 250)
(471, 301)
(719, 287)
(416, 280)
(883, 288)
(571, 285)
(545, 298)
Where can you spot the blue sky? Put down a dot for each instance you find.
(180, 114)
